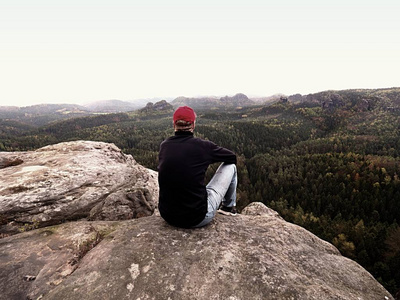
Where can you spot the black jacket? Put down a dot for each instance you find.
(183, 161)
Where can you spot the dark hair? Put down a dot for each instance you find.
(182, 125)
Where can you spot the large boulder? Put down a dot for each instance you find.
(71, 181)
(254, 256)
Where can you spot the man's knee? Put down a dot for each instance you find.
(229, 167)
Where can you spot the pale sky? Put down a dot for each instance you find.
(78, 51)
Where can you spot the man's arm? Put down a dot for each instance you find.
(220, 154)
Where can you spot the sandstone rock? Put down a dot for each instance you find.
(259, 209)
(124, 205)
(243, 257)
(66, 181)
(162, 105)
(9, 162)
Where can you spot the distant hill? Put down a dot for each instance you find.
(112, 106)
(388, 98)
(213, 102)
(43, 109)
(115, 106)
(203, 102)
(357, 99)
(268, 100)
(237, 100)
(42, 114)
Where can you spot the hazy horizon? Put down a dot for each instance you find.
(83, 51)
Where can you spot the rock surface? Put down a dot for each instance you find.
(70, 181)
(257, 256)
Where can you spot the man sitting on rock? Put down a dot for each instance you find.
(185, 200)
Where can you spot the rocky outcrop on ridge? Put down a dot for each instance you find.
(237, 100)
(162, 105)
(70, 181)
(255, 255)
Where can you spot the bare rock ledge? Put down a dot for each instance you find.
(71, 181)
(243, 257)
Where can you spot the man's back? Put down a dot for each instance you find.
(183, 161)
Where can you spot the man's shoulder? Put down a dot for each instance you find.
(188, 139)
(202, 141)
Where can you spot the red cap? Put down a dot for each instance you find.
(184, 113)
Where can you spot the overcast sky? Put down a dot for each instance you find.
(78, 51)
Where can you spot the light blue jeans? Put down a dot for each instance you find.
(220, 189)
